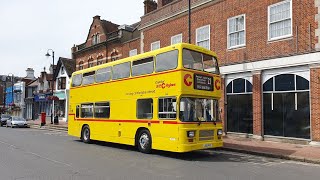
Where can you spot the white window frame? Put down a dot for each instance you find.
(284, 36)
(152, 44)
(176, 36)
(228, 32)
(203, 27)
(133, 52)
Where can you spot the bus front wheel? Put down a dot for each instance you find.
(85, 134)
(144, 141)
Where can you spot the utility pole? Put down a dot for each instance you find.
(189, 21)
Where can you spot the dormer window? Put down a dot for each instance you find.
(95, 39)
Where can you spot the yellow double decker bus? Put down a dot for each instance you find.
(166, 99)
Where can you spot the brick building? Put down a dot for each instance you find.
(106, 42)
(268, 50)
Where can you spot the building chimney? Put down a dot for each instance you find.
(149, 5)
(43, 73)
(163, 2)
(30, 73)
(96, 17)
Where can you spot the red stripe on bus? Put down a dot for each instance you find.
(119, 121)
(177, 122)
(140, 121)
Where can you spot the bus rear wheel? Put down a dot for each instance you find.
(144, 141)
(85, 134)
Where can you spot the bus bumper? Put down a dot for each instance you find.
(199, 146)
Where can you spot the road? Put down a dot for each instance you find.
(42, 154)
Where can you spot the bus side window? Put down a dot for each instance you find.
(142, 66)
(103, 74)
(88, 78)
(144, 108)
(121, 71)
(167, 61)
(167, 108)
(102, 110)
(87, 110)
(77, 111)
(76, 80)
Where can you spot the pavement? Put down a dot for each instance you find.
(289, 151)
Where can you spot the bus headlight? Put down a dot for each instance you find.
(219, 132)
(191, 133)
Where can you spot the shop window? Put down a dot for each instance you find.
(302, 84)
(286, 108)
(167, 108)
(238, 85)
(239, 106)
(145, 108)
(268, 86)
(102, 110)
(284, 82)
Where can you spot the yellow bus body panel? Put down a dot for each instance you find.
(122, 125)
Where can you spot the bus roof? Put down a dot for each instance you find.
(147, 54)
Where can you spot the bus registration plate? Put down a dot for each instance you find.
(207, 145)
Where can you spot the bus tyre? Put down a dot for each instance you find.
(144, 141)
(85, 134)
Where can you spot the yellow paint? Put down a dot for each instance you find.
(123, 94)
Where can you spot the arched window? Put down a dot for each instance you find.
(80, 65)
(286, 106)
(99, 60)
(114, 56)
(239, 106)
(90, 63)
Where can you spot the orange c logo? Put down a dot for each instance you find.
(186, 80)
(217, 84)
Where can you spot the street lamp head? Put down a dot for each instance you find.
(48, 55)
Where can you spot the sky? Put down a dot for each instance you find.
(28, 28)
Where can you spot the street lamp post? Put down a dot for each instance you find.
(189, 20)
(52, 84)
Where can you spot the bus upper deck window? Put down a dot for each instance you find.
(167, 61)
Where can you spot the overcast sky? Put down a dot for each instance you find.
(29, 28)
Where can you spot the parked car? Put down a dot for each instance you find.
(4, 118)
(15, 121)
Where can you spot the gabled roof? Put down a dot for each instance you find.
(33, 83)
(108, 26)
(68, 64)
